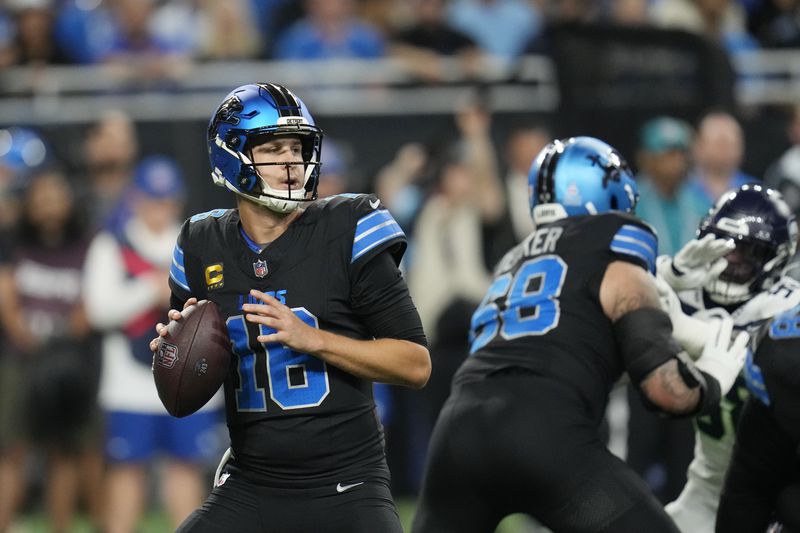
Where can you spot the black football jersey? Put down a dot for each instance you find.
(764, 470)
(773, 372)
(542, 312)
(293, 419)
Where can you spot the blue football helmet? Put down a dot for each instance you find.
(579, 176)
(764, 230)
(248, 116)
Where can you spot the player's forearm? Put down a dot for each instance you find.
(394, 361)
(387, 360)
(665, 388)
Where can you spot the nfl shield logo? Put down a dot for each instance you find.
(167, 355)
(260, 268)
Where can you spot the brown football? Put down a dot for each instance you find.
(191, 361)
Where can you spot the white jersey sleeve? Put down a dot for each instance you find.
(695, 509)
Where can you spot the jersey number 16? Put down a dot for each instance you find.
(296, 380)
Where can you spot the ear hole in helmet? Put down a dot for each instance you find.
(247, 179)
(614, 203)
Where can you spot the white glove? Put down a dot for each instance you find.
(691, 333)
(722, 358)
(699, 261)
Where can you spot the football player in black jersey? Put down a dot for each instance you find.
(763, 479)
(316, 311)
(571, 308)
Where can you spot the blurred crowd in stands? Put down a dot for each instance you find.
(158, 36)
(83, 272)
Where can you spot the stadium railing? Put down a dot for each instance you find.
(70, 94)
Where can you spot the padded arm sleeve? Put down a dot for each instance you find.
(644, 337)
(645, 340)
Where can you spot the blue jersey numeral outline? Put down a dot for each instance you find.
(786, 325)
(486, 318)
(279, 360)
(489, 320)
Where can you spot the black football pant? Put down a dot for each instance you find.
(519, 443)
(239, 506)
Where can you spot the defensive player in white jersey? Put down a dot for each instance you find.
(734, 266)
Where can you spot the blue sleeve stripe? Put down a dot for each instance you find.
(640, 232)
(177, 271)
(622, 240)
(374, 229)
(645, 237)
(636, 250)
(384, 233)
(368, 222)
(180, 278)
(178, 266)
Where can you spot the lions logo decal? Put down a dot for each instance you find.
(612, 168)
(226, 113)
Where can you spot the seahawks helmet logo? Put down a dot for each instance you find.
(226, 113)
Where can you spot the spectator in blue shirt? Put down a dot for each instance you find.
(501, 27)
(84, 35)
(330, 30)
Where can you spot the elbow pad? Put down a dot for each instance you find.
(644, 337)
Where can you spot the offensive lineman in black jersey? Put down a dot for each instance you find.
(316, 311)
(763, 479)
(571, 308)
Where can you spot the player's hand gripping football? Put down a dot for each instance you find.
(723, 358)
(172, 314)
(289, 329)
(699, 261)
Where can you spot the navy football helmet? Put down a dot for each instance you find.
(579, 176)
(250, 115)
(764, 230)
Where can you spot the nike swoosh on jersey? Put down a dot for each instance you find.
(341, 488)
(374, 204)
